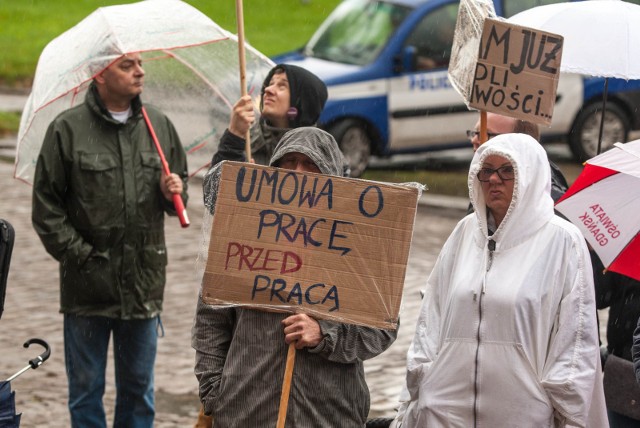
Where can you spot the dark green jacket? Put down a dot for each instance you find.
(99, 210)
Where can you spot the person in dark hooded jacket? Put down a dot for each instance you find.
(241, 353)
(291, 97)
(99, 202)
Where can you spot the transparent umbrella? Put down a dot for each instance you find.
(191, 65)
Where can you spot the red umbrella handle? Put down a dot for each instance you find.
(177, 199)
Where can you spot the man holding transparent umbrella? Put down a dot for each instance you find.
(99, 200)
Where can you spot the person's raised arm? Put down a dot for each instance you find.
(232, 142)
(242, 117)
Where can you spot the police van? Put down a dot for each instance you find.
(385, 65)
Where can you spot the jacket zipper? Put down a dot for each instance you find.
(492, 247)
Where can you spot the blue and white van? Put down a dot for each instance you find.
(385, 64)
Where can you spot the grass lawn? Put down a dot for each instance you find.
(271, 26)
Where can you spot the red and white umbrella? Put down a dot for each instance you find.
(604, 203)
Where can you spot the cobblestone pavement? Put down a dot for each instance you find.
(31, 310)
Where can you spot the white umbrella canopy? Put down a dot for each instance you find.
(191, 66)
(601, 37)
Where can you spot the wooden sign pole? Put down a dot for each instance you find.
(286, 385)
(243, 69)
(484, 136)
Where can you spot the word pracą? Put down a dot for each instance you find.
(272, 261)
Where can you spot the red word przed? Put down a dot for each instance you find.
(261, 259)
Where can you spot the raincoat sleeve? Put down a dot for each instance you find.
(424, 347)
(231, 147)
(48, 214)
(211, 337)
(348, 343)
(571, 372)
(605, 289)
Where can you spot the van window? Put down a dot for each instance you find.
(356, 31)
(432, 38)
(511, 7)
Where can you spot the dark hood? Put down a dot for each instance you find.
(308, 94)
(319, 145)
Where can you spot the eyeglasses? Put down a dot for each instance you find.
(472, 134)
(504, 172)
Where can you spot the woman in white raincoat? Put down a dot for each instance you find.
(507, 334)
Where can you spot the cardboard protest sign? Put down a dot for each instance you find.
(466, 40)
(517, 71)
(335, 248)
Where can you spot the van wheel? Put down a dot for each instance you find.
(583, 139)
(355, 144)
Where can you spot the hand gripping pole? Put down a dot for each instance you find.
(177, 198)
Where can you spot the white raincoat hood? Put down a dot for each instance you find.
(532, 204)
